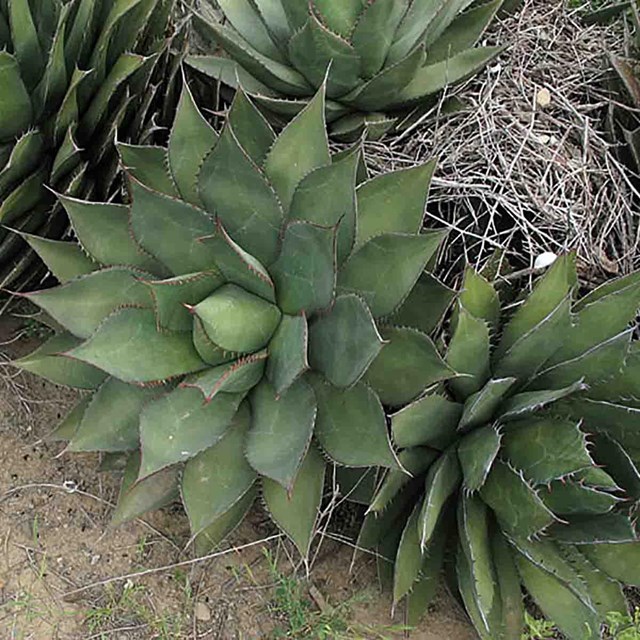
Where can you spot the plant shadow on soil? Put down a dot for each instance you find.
(55, 538)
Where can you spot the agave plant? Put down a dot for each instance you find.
(231, 319)
(385, 56)
(525, 464)
(72, 73)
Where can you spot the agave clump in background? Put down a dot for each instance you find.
(243, 325)
(526, 465)
(385, 56)
(72, 73)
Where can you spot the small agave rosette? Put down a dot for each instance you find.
(526, 466)
(233, 319)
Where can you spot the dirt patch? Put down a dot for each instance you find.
(55, 540)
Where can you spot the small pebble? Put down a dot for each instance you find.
(202, 612)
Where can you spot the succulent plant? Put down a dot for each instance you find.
(232, 318)
(526, 464)
(72, 73)
(385, 56)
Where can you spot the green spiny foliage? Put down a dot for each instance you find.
(526, 465)
(232, 320)
(385, 57)
(72, 74)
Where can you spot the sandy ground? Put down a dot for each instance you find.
(55, 541)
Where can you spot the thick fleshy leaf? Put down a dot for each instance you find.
(611, 455)
(103, 232)
(24, 156)
(356, 485)
(218, 477)
(296, 511)
(620, 561)
(624, 384)
(281, 431)
(531, 401)
(15, 105)
(136, 498)
(314, 49)
(171, 297)
(408, 561)
(481, 406)
(148, 165)
(156, 217)
(65, 260)
(237, 376)
(385, 269)
(406, 366)
(252, 214)
(480, 299)
(477, 452)
(288, 352)
(298, 150)
(468, 354)
(425, 306)
(393, 202)
(305, 271)
(351, 426)
(516, 504)
(334, 187)
(179, 425)
(82, 304)
(546, 449)
(69, 425)
(569, 497)
(575, 619)
(210, 352)
(240, 267)
(512, 606)
(236, 320)
(47, 362)
(432, 421)
(128, 346)
(344, 342)
(110, 421)
(275, 17)
(465, 586)
(443, 479)
(191, 140)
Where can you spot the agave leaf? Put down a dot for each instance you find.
(23, 159)
(282, 78)
(463, 32)
(597, 478)
(386, 552)
(288, 352)
(210, 352)
(444, 16)
(296, 511)
(65, 260)
(413, 463)
(406, 366)
(465, 586)
(67, 115)
(617, 463)
(305, 271)
(239, 376)
(26, 43)
(103, 232)
(433, 78)
(252, 131)
(620, 561)
(574, 618)
(378, 23)
(545, 448)
(528, 402)
(344, 342)
(171, 297)
(385, 269)
(625, 383)
(154, 217)
(356, 485)
(212, 535)
(251, 215)
(218, 477)
(480, 299)
(408, 561)
(567, 498)
(67, 158)
(517, 506)
(136, 498)
(508, 581)
(332, 185)
(393, 202)
(128, 346)
(477, 452)
(191, 140)
(425, 306)
(78, 29)
(351, 426)
(281, 431)
(314, 49)
(274, 16)
(431, 420)
(481, 406)
(69, 425)
(28, 194)
(443, 479)
(149, 165)
(468, 353)
(299, 149)
(46, 361)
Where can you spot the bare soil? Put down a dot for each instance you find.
(55, 540)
